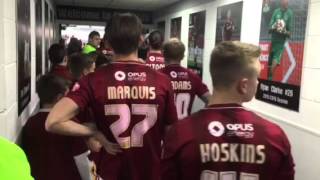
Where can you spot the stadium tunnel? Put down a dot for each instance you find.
(290, 98)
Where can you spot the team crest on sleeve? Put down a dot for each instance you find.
(120, 75)
(216, 128)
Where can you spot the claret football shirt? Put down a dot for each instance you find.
(226, 142)
(186, 85)
(155, 60)
(132, 104)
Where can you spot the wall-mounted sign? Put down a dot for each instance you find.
(282, 35)
(97, 14)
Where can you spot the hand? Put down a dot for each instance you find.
(111, 148)
(93, 144)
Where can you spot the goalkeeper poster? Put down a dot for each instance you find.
(282, 36)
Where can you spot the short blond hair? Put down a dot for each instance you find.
(231, 60)
(173, 50)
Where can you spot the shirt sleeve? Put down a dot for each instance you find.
(81, 93)
(170, 107)
(201, 88)
(290, 20)
(273, 19)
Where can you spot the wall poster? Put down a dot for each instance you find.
(175, 28)
(46, 36)
(39, 31)
(229, 19)
(282, 36)
(196, 41)
(24, 54)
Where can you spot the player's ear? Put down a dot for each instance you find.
(141, 40)
(242, 86)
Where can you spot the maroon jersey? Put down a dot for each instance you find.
(155, 60)
(132, 105)
(50, 155)
(227, 142)
(62, 71)
(186, 85)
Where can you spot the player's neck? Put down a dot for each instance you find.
(47, 106)
(130, 57)
(172, 62)
(154, 51)
(224, 97)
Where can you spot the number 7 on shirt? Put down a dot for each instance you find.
(123, 123)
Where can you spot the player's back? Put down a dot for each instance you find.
(155, 60)
(132, 104)
(186, 85)
(51, 156)
(227, 142)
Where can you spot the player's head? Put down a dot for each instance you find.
(81, 65)
(173, 50)
(125, 33)
(284, 4)
(57, 54)
(102, 60)
(94, 38)
(235, 67)
(51, 88)
(155, 40)
(74, 46)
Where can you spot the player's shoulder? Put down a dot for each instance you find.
(270, 128)
(39, 116)
(182, 131)
(277, 10)
(290, 11)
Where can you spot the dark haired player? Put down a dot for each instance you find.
(133, 105)
(224, 140)
(155, 58)
(58, 58)
(186, 84)
(52, 156)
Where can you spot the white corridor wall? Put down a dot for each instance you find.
(10, 123)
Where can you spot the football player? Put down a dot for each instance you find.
(52, 156)
(225, 140)
(133, 105)
(280, 28)
(155, 58)
(185, 83)
(58, 58)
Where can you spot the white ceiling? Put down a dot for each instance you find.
(148, 5)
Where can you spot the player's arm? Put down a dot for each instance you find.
(272, 22)
(205, 97)
(289, 25)
(202, 90)
(59, 120)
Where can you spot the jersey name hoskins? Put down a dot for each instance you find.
(233, 152)
(181, 85)
(131, 92)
